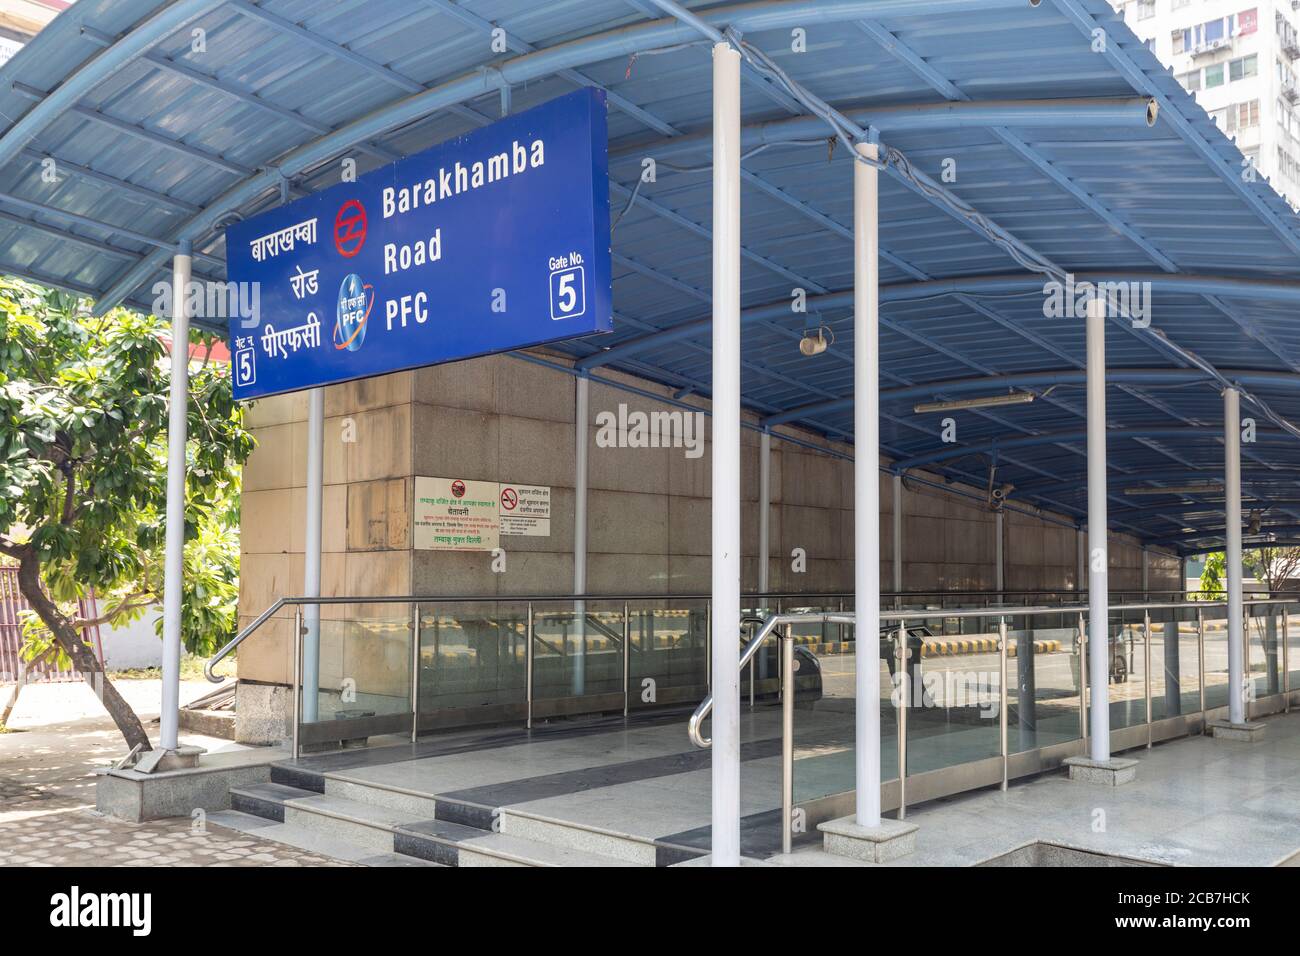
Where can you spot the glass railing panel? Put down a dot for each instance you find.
(472, 654)
(1175, 663)
(668, 646)
(1127, 670)
(577, 651)
(1264, 650)
(952, 697)
(1292, 629)
(363, 665)
(826, 701)
(1216, 656)
(1042, 680)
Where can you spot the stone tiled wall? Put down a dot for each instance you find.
(501, 419)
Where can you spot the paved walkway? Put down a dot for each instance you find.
(47, 790)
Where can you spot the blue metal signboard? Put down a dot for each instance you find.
(494, 241)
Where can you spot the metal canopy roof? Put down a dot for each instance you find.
(155, 140)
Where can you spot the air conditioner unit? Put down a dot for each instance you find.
(1218, 44)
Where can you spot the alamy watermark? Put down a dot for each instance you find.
(1131, 300)
(636, 429)
(213, 300)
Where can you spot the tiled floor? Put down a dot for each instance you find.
(1196, 800)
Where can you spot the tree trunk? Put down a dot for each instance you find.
(29, 582)
(24, 667)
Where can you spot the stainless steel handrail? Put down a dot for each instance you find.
(903, 619)
(811, 598)
(238, 639)
(747, 655)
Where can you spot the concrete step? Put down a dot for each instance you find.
(421, 805)
(582, 838)
(265, 800)
(502, 849)
(365, 824)
(310, 840)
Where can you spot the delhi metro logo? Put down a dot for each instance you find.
(350, 228)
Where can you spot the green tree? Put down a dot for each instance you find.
(83, 468)
(1272, 567)
(1213, 577)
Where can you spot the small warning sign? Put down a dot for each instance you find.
(456, 515)
(526, 510)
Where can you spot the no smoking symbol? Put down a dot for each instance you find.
(509, 499)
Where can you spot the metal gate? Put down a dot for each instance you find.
(12, 603)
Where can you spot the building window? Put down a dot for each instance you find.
(1243, 67)
(1213, 76)
(1146, 9)
(1242, 116)
(1179, 4)
(1191, 81)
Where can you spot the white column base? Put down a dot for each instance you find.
(1248, 732)
(880, 844)
(1109, 773)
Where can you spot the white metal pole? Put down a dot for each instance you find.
(580, 418)
(1098, 551)
(898, 540)
(312, 547)
(173, 564)
(1146, 575)
(764, 509)
(1232, 555)
(726, 456)
(1000, 572)
(866, 484)
(1080, 557)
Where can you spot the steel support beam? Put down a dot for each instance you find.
(1103, 112)
(312, 554)
(866, 484)
(581, 419)
(174, 556)
(95, 71)
(1232, 552)
(726, 488)
(1098, 550)
(1272, 290)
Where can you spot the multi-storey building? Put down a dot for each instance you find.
(1240, 58)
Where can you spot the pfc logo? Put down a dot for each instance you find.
(350, 228)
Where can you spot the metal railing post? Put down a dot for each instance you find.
(1002, 691)
(528, 668)
(1200, 660)
(787, 738)
(297, 676)
(627, 660)
(1286, 661)
(1246, 680)
(1083, 681)
(903, 700)
(1146, 640)
(415, 675)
